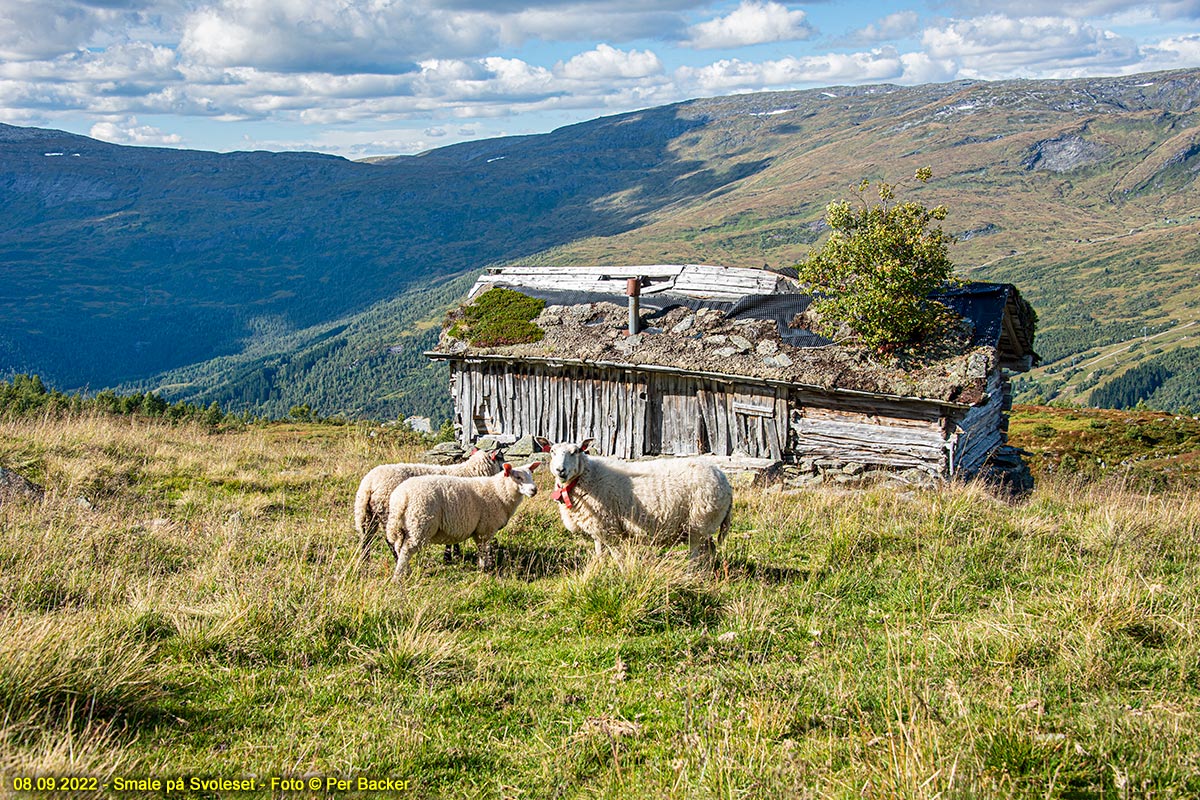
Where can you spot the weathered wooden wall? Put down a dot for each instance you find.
(870, 431)
(981, 430)
(567, 403)
(631, 413)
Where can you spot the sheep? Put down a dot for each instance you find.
(449, 509)
(371, 501)
(660, 502)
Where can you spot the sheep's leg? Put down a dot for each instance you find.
(599, 547)
(700, 548)
(404, 546)
(486, 546)
(452, 552)
(370, 530)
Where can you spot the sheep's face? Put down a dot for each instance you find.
(567, 460)
(523, 477)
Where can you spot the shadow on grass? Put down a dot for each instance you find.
(742, 569)
(522, 562)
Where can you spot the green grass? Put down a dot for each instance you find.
(878, 643)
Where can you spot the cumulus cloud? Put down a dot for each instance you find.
(128, 131)
(997, 46)
(752, 22)
(889, 28)
(734, 74)
(32, 29)
(385, 36)
(608, 63)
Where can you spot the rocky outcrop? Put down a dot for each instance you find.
(16, 487)
(1066, 153)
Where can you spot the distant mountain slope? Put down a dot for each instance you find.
(123, 263)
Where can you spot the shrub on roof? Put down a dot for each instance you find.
(875, 271)
(496, 318)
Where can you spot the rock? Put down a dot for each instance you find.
(726, 352)
(14, 486)
(767, 347)
(1006, 473)
(445, 453)
(780, 360)
(718, 340)
(419, 424)
(854, 468)
(524, 447)
(741, 343)
(684, 324)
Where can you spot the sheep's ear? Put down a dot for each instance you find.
(495, 455)
(474, 450)
(533, 465)
(543, 443)
(585, 444)
(507, 469)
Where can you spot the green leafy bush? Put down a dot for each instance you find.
(498, 317)
(877, 268)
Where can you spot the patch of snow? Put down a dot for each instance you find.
(771, 113)
(497, 158)
(49, 155)
(829, 94)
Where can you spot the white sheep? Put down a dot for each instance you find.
(371, 501)
(448, 509)
(661, 502)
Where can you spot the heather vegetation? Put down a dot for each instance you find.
(200, 615)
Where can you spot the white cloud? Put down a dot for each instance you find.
(33, 29)
(608, 63)
(996, 46)
(733, 74)
(382, 36)
(889, 28)
(752, 22)
(1181, 52)
(128, 131)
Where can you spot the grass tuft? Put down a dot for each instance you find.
(637, 590)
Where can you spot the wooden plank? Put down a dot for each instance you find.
(876, 435)
(751, 408)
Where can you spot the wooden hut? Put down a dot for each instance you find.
(721, 363)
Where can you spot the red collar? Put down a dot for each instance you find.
(562, 493)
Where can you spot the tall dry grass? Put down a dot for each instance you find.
(185, 602)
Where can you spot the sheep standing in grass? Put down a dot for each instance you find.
(371, 501)
(660, 502)
(448, 509)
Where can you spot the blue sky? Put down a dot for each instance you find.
(372, 77)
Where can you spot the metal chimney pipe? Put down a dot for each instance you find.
(633, 288)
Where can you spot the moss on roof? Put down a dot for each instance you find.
(944, 368)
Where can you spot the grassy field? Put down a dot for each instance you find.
(183, 604)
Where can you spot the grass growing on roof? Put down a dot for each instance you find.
(880, 643)
(498, 317)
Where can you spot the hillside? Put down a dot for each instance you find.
(184, 601)
(141, 266)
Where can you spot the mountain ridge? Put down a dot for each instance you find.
(128, 265)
